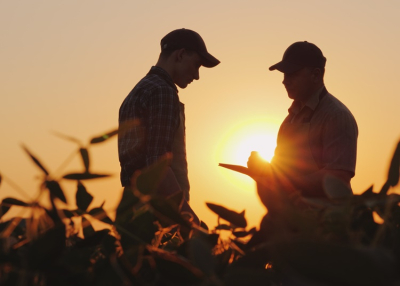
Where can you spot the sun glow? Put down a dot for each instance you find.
(264, 144)
(237, 144)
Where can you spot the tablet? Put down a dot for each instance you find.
(237, 168)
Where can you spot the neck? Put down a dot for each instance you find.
(165, 66)
(311, 93)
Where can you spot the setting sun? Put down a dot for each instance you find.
(254, 135)
(238, 142)
(264, 144)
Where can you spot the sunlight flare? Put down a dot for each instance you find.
(238, 143)
(264, 144)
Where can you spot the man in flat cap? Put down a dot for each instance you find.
(156, 115)
(319, 135)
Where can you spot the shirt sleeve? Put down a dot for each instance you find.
(339, 142)
(162, 122)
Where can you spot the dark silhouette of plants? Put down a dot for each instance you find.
(152, 242)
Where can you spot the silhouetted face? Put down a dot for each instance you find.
(187, 69)
(299, 85)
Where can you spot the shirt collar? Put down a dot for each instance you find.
(311, 103)
(164, 75)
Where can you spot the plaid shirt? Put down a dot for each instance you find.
(148, 119)
(333, 131)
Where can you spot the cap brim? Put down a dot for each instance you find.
(208, 61)
(285, 67)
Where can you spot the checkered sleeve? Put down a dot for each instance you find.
(163, 120)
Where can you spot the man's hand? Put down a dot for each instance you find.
(257, 165)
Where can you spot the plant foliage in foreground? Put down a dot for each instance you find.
(151, 242)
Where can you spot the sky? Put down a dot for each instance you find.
(66, 66)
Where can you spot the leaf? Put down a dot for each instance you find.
(55, 190)
(200, 254)
(253, 230)
(140, 230)
(100, 214)
(66, 137)
(87, 228)
(368, 192)
(68, 213)
(84, 176)
(223, 227)
(204, 225)
(103, 137)
(149, 178)
(394, 169)
(36, 161)
(15, 202)
(83, 198)
(335, 188)
(8, 202)
(125, 206)
(85, 158)
(164, 209)
(240, 233)
(233, 217)
(4, 209)
(385, 188)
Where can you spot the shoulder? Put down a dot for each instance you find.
(332, 117)
(331, 107)
(151, 87)
(152, 83)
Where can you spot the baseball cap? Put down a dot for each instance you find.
(298, 56)
(188, 39)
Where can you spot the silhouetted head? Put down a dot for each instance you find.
(303, 65)
(183, 52)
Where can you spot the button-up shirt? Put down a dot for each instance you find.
(302, 113)
(148, 119)
(333, 131)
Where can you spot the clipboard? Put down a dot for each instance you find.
(237, 168)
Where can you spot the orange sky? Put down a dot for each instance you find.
(66, 66)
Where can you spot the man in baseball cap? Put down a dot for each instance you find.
(190, 40)
(299, 55)
(318, 138)
(152, 119)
